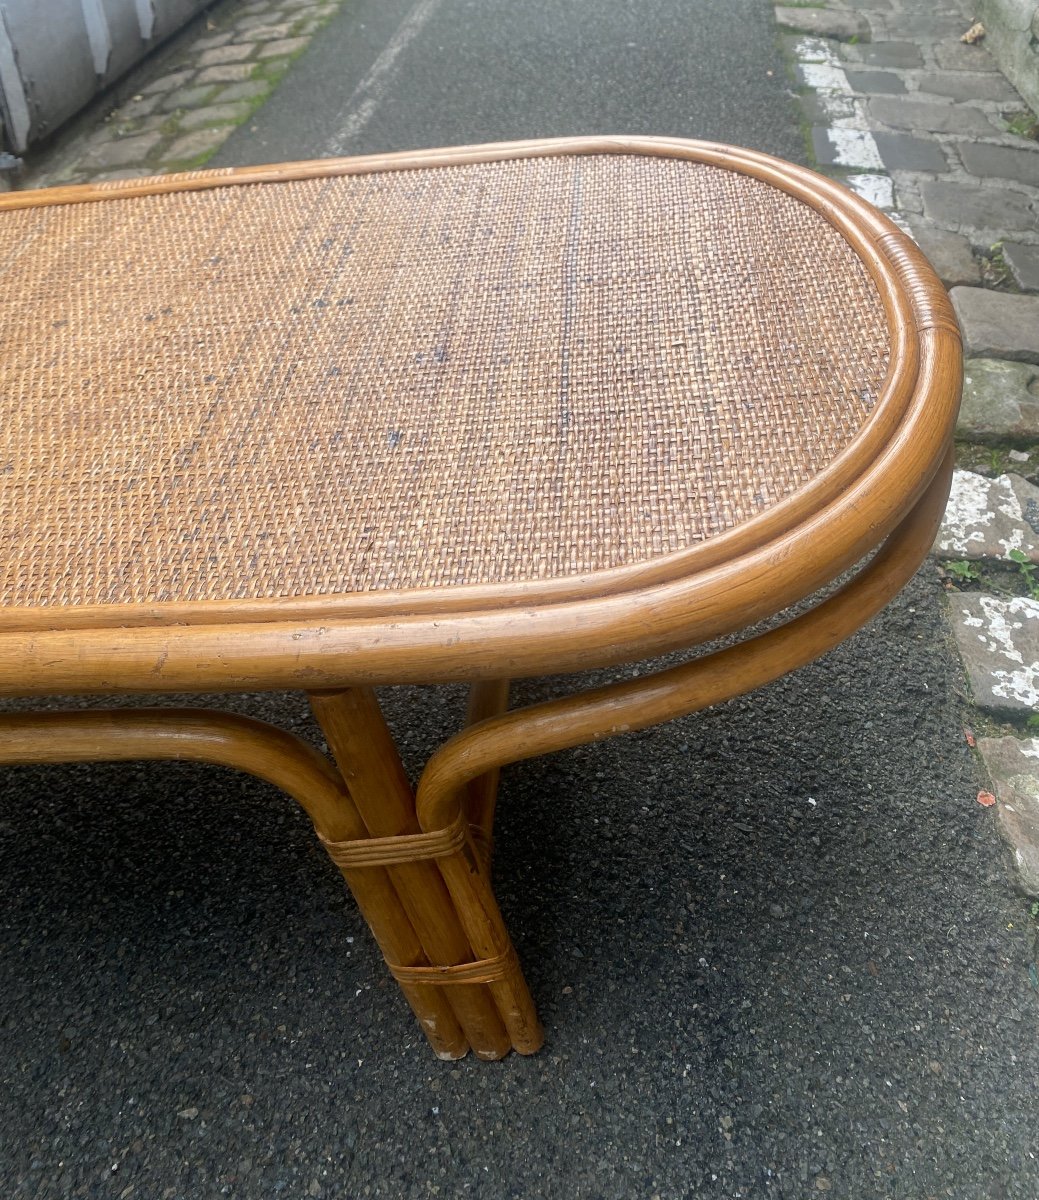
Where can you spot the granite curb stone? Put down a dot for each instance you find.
(990, 518)
(935, 111)
(998, 324)
(949, 253)
(1013, 765)
(883, 54)
(988, 211)
(930, 116)
(1000, 400)
(1000, 161)
(904, 152)
(834, 23)
(1023, 262)
(998, 640)
(967, 85)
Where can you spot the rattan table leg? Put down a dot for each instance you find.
(647, 700)
(198, 735)
(368, 760)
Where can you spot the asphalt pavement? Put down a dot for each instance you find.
(774, 945)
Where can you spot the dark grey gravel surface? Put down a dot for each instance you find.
(397, 74)
(774, 945)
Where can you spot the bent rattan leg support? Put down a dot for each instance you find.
(419, 866)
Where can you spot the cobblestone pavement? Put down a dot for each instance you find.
(924, 125)
(179, 106)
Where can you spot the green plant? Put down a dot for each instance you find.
(963, 570)
(1023, 124)
(1027, 569)
(1034, 910)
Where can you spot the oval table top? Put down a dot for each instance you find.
(447, 414)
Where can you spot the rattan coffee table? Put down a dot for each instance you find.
(469, 414)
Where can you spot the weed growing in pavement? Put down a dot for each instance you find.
(1026, 569)
(1022, 124)
(963, 570)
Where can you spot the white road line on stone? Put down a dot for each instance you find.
(824, 78)
(855, 148)
(847, 129)
(841, 111)
(368, 94)
(815, 50)
(998, 623)
(877, 189)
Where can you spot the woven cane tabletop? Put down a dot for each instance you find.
(465, 374)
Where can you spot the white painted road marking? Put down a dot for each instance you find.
(368, 94)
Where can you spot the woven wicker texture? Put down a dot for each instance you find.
(461, 374)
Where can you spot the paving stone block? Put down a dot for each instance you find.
(988, 518)
(225, 54)
(191, 145)
(146, 124)
(949, 253)
(1013, 764)
(254, 21)
(284, 46)
(226, 73)
(265, 33)
(829, 109)
(874, 82)
(168, 83)
(961, 56)
(140, 106)
(931, 26)
(307, 25)
(215, 114)
(249, 89)
(825, 22)
(1001, 162)
(998, 324)
(189, 97)
(903, 152)
(998, 639)
(931, 117)
(121, 152)
(994, 210)
(1023, 262)
(212, 40)
(1000, 400)
(884, 54)
(967, 85)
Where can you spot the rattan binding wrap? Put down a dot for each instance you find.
(478, 373)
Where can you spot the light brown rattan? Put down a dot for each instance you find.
(458, 414)
(479, 373)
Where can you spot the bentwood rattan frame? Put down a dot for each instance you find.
(417, 861)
